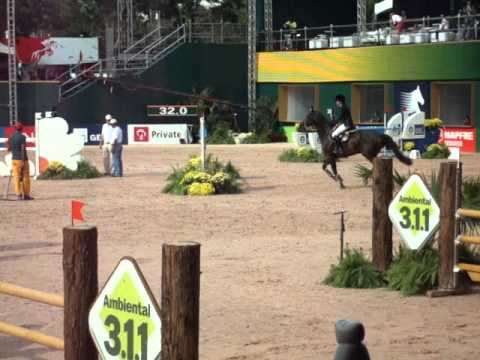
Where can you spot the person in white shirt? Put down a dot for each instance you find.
(105, 144)
(116, 139)
(444, 24)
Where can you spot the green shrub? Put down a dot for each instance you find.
(414, 272)
(354, 271)
(221, 135)
(436, 151)
(191, 179)
(265, 121)
(302, 154)
(255, 138)
(57, 171)
(363, 172)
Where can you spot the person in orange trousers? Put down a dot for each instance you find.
(17, 144)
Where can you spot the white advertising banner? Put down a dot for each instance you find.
(383, 6)
(67, 51)
(166, 134)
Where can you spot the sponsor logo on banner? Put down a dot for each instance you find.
(83, 132)
(141, 134)
(463, 138)
(159, 134)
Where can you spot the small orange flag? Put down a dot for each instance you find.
(77, 207)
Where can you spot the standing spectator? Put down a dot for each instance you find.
(397, 22)
(17, 144)
(105, 144)
(116, 139)
(444, 23)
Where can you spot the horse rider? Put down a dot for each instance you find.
(343, 123)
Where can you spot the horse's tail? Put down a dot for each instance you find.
(390, 144)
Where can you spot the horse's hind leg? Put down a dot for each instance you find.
(338, 178)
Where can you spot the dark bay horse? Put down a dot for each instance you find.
(367, 143)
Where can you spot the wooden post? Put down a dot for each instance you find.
(180, 300)
(446, 240)
(381, 226)
(80, 285)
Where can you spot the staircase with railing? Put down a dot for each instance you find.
(146, 52)
(137, 58)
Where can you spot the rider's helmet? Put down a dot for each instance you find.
(340, 98)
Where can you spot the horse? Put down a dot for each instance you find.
(367, 143)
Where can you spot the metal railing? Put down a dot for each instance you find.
(147, 51)
(217, 33)
(424, 30)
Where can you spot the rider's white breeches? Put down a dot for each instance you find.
(339, 130)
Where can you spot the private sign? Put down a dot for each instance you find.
(124, 320)
(414, 213)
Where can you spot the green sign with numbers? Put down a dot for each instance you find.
(124, 320)
(414, 213)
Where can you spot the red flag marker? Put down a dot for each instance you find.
(77, 207)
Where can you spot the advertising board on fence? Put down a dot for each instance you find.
(463, 138)
(159, 134)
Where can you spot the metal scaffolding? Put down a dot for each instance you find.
(12, 63)
(361, 16)
(269, 24)
(252, 62)
(124, 25)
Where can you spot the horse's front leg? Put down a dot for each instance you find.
(329, 173)
(333, 165)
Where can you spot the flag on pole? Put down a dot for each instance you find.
(77, 207)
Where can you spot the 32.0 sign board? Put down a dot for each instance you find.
(124, 320)
(414, 213)
(171, 110)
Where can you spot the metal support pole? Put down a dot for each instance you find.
(203, 146)
(252, 62)
(12, 63)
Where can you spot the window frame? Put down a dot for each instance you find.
(357, 101)
(435, 97)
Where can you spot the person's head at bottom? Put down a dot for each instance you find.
(18, 126)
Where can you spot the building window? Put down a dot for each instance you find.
(295, 102)
(455, 103)
(368, 103)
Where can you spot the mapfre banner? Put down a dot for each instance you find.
(54, 50)
(159, 134)
(463, 138)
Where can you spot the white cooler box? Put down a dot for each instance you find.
(351, 41)
(336, 42)
(318, 43)
(421, 37)
(445, 36)
(406, 39)
(392, 39)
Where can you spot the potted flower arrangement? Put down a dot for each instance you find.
(432, 130)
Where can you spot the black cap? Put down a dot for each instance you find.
(340, 98)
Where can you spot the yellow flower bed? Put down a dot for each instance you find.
(196, 176)
(433, 123)
(409, 145)
(200, 189)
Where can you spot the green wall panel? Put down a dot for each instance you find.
(192, 67)
(269, 90)
(329, 91)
